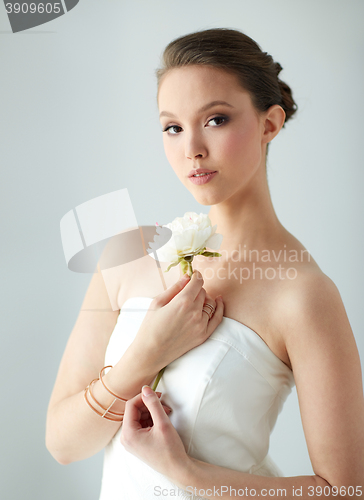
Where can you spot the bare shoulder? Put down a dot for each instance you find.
(312, 296)
(308, 296)
(310, 314)
(143, 277)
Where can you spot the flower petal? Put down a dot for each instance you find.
(214, 241)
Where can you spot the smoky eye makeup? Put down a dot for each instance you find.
(224, 119)
(170, 127)
(220, 117)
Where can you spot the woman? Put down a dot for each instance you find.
(281, 320)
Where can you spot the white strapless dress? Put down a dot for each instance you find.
(225, 394)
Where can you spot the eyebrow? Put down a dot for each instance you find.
(201, 110)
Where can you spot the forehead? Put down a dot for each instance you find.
(190, 86)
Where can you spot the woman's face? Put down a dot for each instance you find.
(227, 138)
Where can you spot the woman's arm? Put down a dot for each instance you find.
(212, 481)
(327, 372)
(73, 430)
(156, 442)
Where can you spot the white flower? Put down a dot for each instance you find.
(191, 234)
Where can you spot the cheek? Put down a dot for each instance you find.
(174, 154)
(233, 145)
(169, 150)
(240, 146)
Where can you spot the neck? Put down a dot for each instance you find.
(247, 219)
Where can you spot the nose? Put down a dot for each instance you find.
(195, 147)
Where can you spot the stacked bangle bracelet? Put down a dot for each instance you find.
(116, 417)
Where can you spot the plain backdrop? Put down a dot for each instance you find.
(79, 119)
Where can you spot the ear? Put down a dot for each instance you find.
(273, 122)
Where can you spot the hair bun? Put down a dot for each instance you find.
(278, 68)
(288, 104)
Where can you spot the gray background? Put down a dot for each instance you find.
(79, 120)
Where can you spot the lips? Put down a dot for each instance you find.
(203, 179)
(200, 171)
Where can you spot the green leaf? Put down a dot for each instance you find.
(184, 266)
(171, 265)
(217, 254)
(211, 254)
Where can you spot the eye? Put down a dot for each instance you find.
(223, 118)
(171, 127)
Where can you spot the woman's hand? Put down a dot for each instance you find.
(148, 434)
(175, 322)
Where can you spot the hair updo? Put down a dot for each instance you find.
(235, 52)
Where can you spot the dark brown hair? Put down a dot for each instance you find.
(235, 52)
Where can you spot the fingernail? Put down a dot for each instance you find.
(185, 277)
(147, 391)
(169, 409)
(219, 297)
(159, 394)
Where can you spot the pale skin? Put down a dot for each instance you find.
(311, 332)
(304, 320)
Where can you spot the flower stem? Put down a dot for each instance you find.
(156, 382)
(190, 268)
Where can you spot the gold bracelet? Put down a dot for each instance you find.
(107, 410)
(96, 411)
(108, 390)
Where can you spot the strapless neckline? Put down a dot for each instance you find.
(254, 335)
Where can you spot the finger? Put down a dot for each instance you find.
(209, 300)
(200, 299)
(207, 312)
(217, 317)
(146, 418)
(194, 286)
(134, 408)
(154, 406)
(146, 414)
(139, 403)
(166, 296)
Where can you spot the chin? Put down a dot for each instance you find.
(208, 199)
(205, 203)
